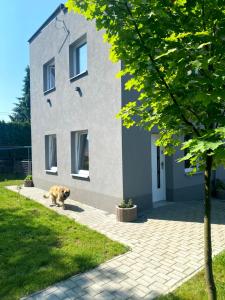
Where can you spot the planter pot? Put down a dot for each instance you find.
(28, 183)
(126, 214)
(220, 194)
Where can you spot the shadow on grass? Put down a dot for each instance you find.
(31, 254)
(169, 297)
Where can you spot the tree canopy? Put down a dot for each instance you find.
(174, 52)
(21, 111)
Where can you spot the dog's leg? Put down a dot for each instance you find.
(53, 200)
(58, 200)
(63, 205)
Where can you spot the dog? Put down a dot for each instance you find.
(58, 194)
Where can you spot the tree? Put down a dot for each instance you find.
(21, 111)
(174, 52)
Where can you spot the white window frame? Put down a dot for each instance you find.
(75, 59)
(48, 141)
(50, 78)
(75, 142)
(49, 81)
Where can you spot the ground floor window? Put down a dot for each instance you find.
(51, 153)
(187, 164)
(80, 153)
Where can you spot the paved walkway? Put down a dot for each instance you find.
(166, 249)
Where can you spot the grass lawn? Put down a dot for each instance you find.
(194, 289)
(38, 247)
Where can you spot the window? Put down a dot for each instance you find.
(187, 164)
(80, 153)
(78, 57)
(49, 75)
(51, 153)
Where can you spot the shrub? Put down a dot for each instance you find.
(29, 177)
(126, 204)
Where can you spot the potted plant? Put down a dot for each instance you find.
(220, 189)
(126, 211)
(28, 182)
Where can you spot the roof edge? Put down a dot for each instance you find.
(50, 18)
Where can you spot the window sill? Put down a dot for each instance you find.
(82, 177)
(49, 91)
(52, 171)
(189, 170)
(78, 76)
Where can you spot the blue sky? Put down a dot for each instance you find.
(19, 19)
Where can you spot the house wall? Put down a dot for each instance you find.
(185, 187)
(137, 167)
(137, 172)
(95, 111)
(220, 173)
(136, 159)
(119, 158)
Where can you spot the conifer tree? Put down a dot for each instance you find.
(21, 111)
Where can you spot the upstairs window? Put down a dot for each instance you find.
(49, 75)
(51, 153)
(80, 153)
(78, 57)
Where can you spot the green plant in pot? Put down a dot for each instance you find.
(28, 181)
(126, 211)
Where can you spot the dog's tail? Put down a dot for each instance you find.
(46, 195)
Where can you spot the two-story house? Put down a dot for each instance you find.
(76, 139)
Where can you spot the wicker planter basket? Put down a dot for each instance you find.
(126, 214)
(28, 183)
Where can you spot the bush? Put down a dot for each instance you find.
(127, 204)
(15, 134)
(29, 177)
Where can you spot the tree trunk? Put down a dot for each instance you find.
(207, 232)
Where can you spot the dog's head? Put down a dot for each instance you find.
(66, 193)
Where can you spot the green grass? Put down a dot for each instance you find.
(194, 289)
(38, 247)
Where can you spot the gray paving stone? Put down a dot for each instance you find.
(70, 293)
(166, 248)
(51, 297)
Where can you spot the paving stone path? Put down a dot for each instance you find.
(166, 248)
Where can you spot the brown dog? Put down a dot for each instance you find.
(58, 194)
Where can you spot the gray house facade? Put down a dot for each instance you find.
(76, 139)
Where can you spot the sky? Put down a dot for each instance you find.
(19, 19)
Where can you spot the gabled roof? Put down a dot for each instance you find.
(61, 7)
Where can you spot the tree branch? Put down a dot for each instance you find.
(195, 114)
(162, 79)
